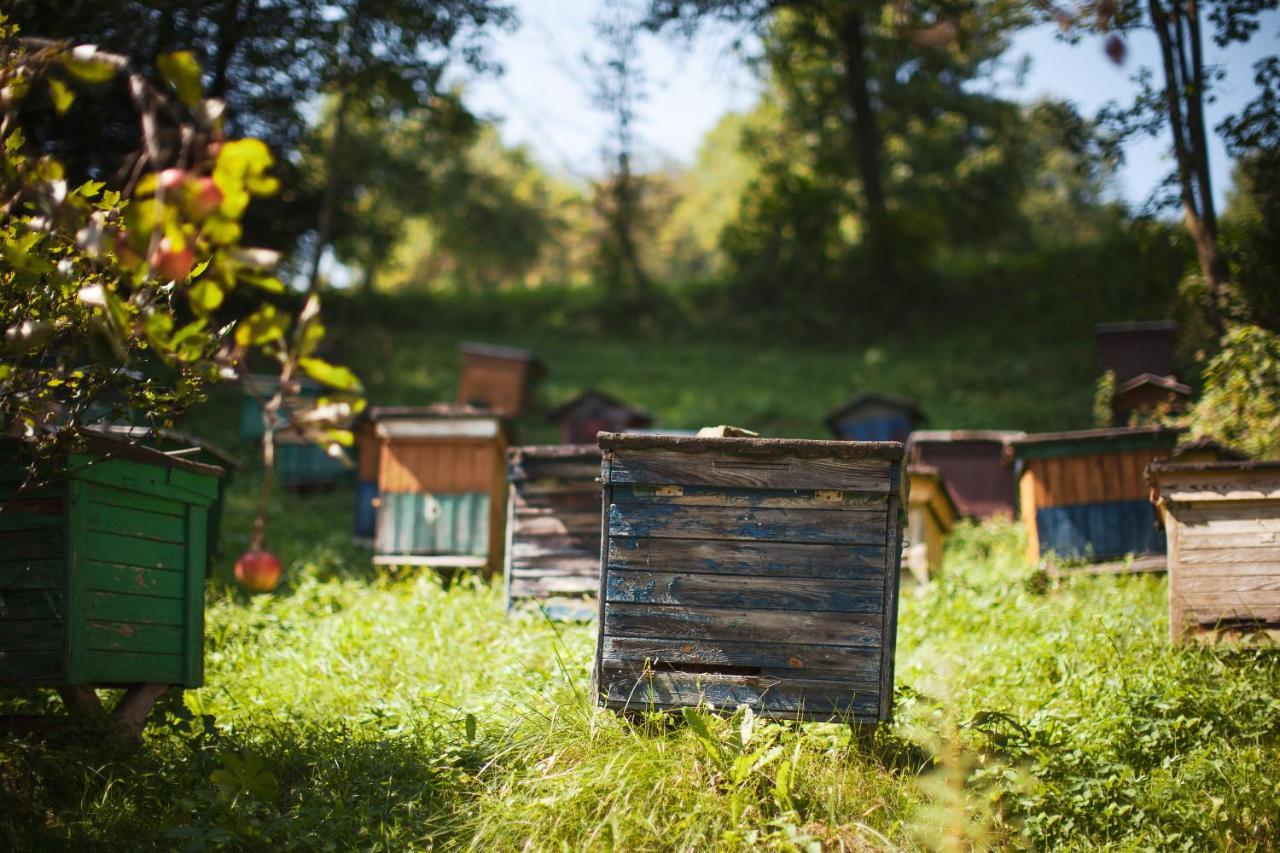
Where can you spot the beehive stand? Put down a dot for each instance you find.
(745, 571)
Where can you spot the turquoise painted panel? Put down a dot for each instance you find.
(308, 465)
(449, 524)
(366, 513)
(1102, 531)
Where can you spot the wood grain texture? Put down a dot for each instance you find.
(850, 527)
(780, 559)
(757, 498)
(660, 467)
(852, 661)
(746, 592)
(805, 699)
(741, 625)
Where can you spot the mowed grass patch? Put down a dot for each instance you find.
(373, 711)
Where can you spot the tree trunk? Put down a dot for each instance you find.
(1184, 87)
(866, 142)
(329, 199)
(229, 28)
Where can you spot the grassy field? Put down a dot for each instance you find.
(356, 709)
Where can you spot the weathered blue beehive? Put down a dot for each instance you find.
(749, 571)
(872, 416)
(1084, 495)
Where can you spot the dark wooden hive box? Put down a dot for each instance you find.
(553, 527)
(102, 568)
(745, 571)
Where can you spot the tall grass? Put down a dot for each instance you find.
(354, 710)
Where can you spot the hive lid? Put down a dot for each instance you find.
(1168, 383)
(945, 435)
(1106, 440)
(1136, 326)
(638, 415)
(755, 447)
(554, 451)
(906, 404)
(478, 426)
(142, 433)
(503, 352)
(108, 446)
(1268, 466)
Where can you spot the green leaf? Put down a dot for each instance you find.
(265, 324)
(61, 95)
(181, 71)
(312, 335)
(470, 724)
(269, 283)
(80, 64)
(333, 375)
(89, 189)
(205, 296)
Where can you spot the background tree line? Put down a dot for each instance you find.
(878, 176)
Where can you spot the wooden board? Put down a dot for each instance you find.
(660, 467)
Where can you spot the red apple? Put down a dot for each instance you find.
(259, 571)
(1116, 49)
(203, 199)
(171, 179)
(170, 264)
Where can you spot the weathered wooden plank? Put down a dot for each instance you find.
(749, 592)
(663, 467)
(134, 637)
(136, 523)
(32, 604)
(100, 493)
(21, 545)
(531, 488)
(153, 480)
(1268, 599)
(565, 543)
(142, 609)
(855, 527)
(31, 666)
(799, 658)
(531, 505)
(1262, 554)
(1226, 572)
(1230, 584)
(125, 550)
(31, 514)
(17, 635)
(781, 559)
(757, 498)
(572, 470)
(735, 624)
(560, 524)
(569, 585)
(111, 577)
(31, 574)
(102, 667)
(1202, 538)
(812, 699)
(572, 563)
(1214, 489)
(1255, 516)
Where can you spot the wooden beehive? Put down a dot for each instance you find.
(102, 568)
(930, 515)
(872, 416)
(593, 412)
(972, 466)
(498, 378)
(368, 449)
(1132, 349)
(553, 528)
(1083, 495)
(1147, 398)
(301, 465)
(748, 571)
(193, 449)
(264, 386)
(1223, 524)
(442, 488)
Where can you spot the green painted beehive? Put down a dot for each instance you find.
(102, 566)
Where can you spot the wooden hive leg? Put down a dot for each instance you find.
(130, 715)
(82, 702)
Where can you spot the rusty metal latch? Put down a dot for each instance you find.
(829, 495)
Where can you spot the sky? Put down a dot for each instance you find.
(543, 97)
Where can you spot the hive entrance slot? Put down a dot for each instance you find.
(706, 668)
(1241, 623)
